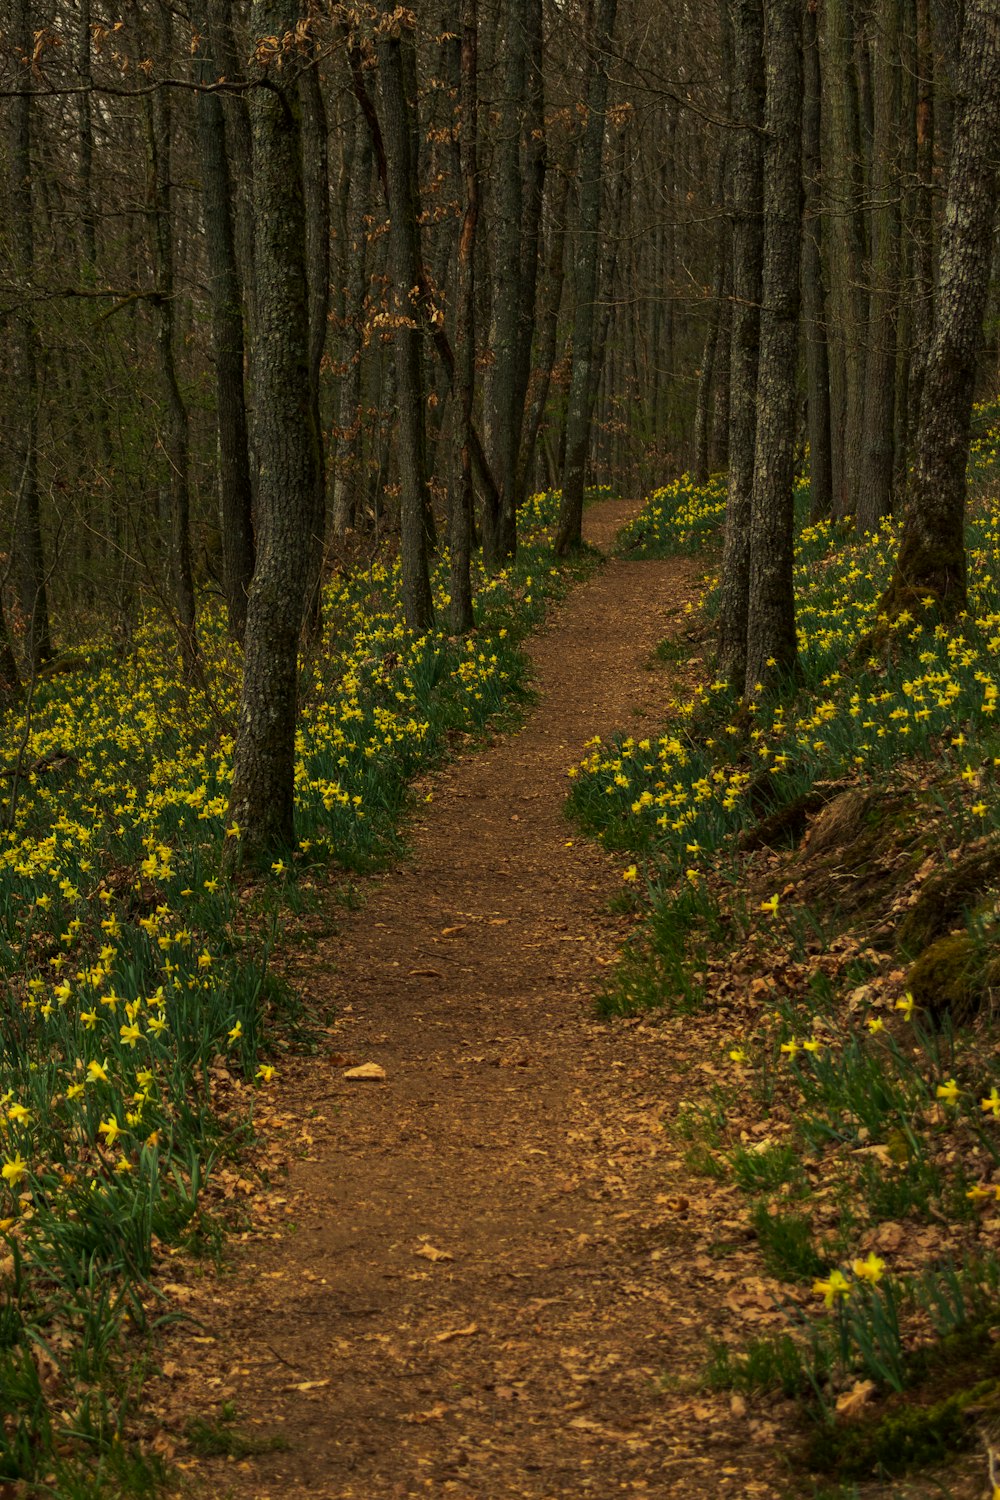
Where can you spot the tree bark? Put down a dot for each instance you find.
(501, 417)
(771, 643)
(535, 175)
(29, 556)
(461, 616)
(174, 441)
(814, 279)
(405, 265)
(847, 251)
(262, 798)
(932, 560)
(550, 301)
(706, 375)
(316, 186)
(875, 497)
(235, 497)
(570, 531)
(747, 253)
(347, 481)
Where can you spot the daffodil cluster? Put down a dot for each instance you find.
(130, 987)
(927, 691)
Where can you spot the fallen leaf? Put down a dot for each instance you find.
(306, 1385)
(852, 1401)
(431, 1252)
(366, 1072)
(426, 973)
(433, 1414)
(456, 1333)
(889, 1237)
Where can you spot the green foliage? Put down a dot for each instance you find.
(137, 976)
(786, 1242)
(219, 1438)
(768, 1364)
(769, 1167)
(886, 1096)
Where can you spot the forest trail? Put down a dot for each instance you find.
(491, 1278)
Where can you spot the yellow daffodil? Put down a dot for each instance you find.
(870, 1269)
(13, 1170)
(836, 1285)
(949, 1092)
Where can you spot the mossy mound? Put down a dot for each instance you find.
(948, 979)
(947, 897)
(785, 827)
(862, 850)
(956, 1392)
(908, 1438)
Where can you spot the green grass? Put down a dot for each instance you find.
(769, 1167)
(786, 1242)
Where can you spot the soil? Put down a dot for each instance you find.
(488, 1275)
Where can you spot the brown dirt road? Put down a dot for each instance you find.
(492, 1287)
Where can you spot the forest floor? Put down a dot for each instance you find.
(488, 1275)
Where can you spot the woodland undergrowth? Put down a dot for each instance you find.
(142, 1023)
(817, 877)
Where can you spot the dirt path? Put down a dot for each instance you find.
(514, 1134)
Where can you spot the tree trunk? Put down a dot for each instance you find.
(550, 301)
(262, 799)
(706, 375)
(501, 417)
(238, 147)
(932, 559)
(747, 252)
(570, 532)
(923, 223)
(404, 261)
(316, 185)
(874, 498)
(814, 280)
(847, 250)
(535, 174)
(771, 644)
(29, 556)
(226, 302)
(174, 441)
(719, 444)
(347, 481)
(460, 519)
